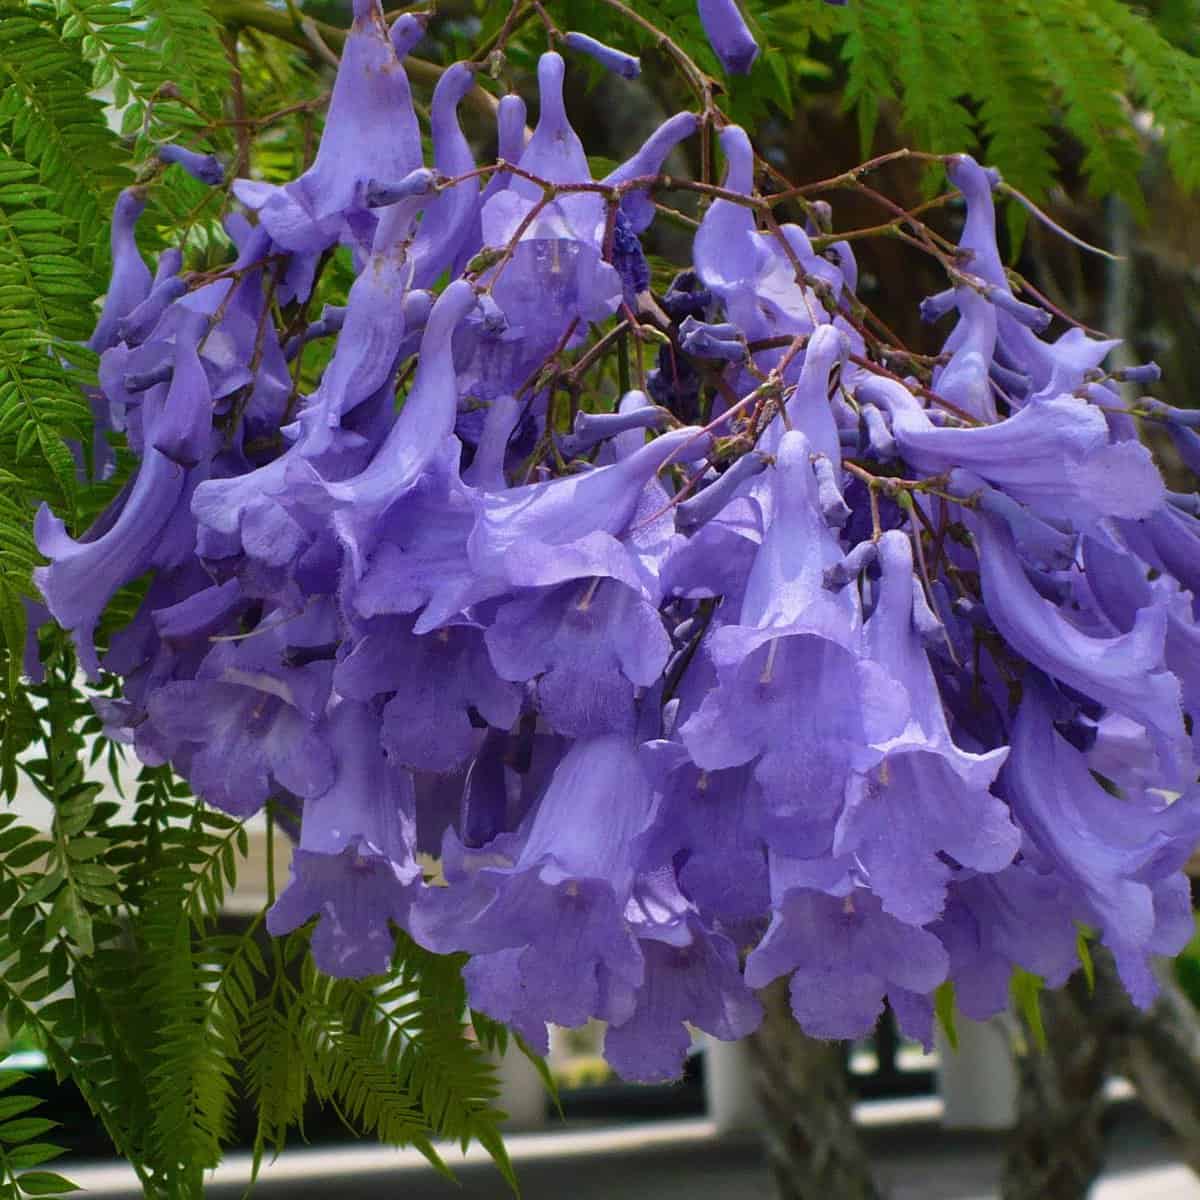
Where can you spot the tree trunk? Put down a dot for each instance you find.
(1158, 1052)
(813, 1148)
(1056, 1149)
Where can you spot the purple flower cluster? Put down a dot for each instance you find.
(897, 686)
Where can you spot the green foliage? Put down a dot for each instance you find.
(946, 1012)
(1026, 993)
(20, 1153)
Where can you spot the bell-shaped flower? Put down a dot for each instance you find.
(692, 977)
(543, 909)
(434, 681)
(1052, 367)
(248, 723)
(709, 823)
(993, 923)
(450, 217)
(589, 644)
(555, 274)
(1111, 852)
(420, 441)
(753, 276)
(371, 135)
(1125, 673)
(844, 954)
(794, 693)
(1053, 455)
(141, 530)
(355, 866)
(130, 281)
(927, 799)
(570, 527)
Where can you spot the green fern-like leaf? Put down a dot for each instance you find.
(868, 52)
(1002, 53)
(1088, 78)
(1166, 80)
(48, 116)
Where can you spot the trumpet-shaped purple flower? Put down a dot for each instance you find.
(248, 724)
(692, 977)
(355, 865)
(844, 954)
(1111, 853)
(927, 799)
(543, 909)
(589, 644)
(1125, 673)
(794, 694)
(130, 282)
(1053, 455)
(142, 530)
(371, 135)
(437, 679)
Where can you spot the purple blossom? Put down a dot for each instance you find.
(692, 976)
(844, 954)
(542, 909)
(355, 865)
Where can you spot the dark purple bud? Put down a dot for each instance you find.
(728, 34)
(686, 297)
(203, 167)
(613, 60)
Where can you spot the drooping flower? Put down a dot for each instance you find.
(542, 910)
(355, 865)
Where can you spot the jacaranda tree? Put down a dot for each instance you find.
(618, 623)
